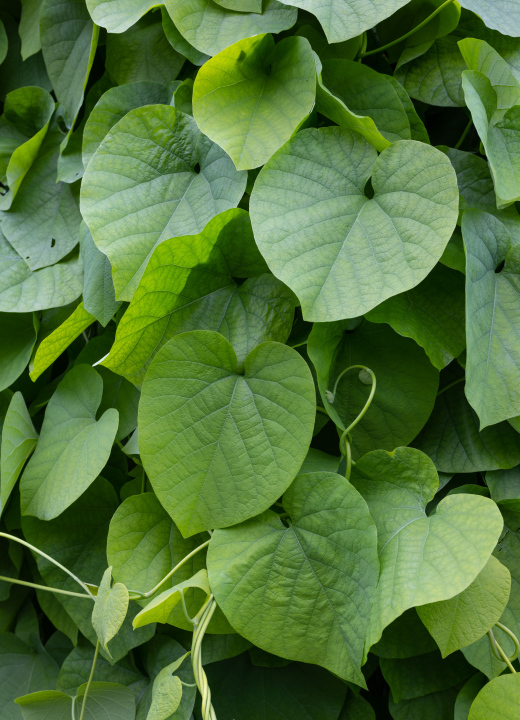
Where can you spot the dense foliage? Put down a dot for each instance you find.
(259, 360)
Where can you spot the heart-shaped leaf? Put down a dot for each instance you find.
(302, 590)
(501, 15)
(110, 609)
(463, 619)
(166, 692)
(249, 99)
(498, 700)
(196, 410)
(190, 284)
(170, 199)
(423, 558)
(115, 16)
(341, 252)
(73, 447)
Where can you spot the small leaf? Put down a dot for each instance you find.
(19, 336)
(166, 693)
(463, 619)
(160, 608)
(19, 439)
(110, 609)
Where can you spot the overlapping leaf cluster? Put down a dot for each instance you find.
(259, 359)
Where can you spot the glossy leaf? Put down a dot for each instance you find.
(171, 197)
(19, 438)
(73, 447)
(310, 583)
(196, 408)
(415, 567)
(331, 258)
(249, 100)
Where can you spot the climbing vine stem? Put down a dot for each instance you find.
(498, 652)
(91, 676)
(202, 621)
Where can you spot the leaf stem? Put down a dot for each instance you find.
(408, 34)
(450, 385)
(49, 558)
(15, 581)
(136, 595)
(464, 134)
(143, 482)
(92, 669)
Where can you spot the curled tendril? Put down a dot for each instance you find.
(346, 439)
(497, 650)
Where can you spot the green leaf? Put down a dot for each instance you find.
(115, 16)
(81, 547)
(120, 394)
(69, 41)
(492, 297)
(22, 290)
(57, 614)
(362, 100)
(249, 99)
(399, 408)
(4, 42)
(29, 28)
(43, 222)
(142, 53)
(318, 461)
(499, 15)
(302, 591)
(435, 76)
(498, 700)
(160, 608)
(22, 670)
(110, 609)
(73, 447)
(19, 438)
(242, 691)
(169, 200)
(467, 694)
(104, 700)
(504, 486)
(432, 314)
(324, 238)
(435, 706)
(196, 409)
(405, 637)
(423, 558)
(99, 297)
(166, 693)
(19, 334)
(58, 341)
(28, 111)
(114, 104)
(179, 43)
(424, 674)
(463, 619)
(16, 74)
(190, 284)
(210, 28)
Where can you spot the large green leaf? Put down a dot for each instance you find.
(405, 637)
(498, 700)
(59, 340)
(81, 547)
(452, 439)
(432, 314)
(435, 76)
(435, 706)
(341, 252)
(115, 16)
(29, 28)
(18, 332)
(242, 691)
(76, 668)
(252, 96)
(99, 297)
(179, 43)
(493, 328)
(500, 15)
(375, 105)
(423, 558)
(142, 53)
(190, 284)
(115, 104)
(27, 111)
(459, 621)
(170, 198)
(105, 701)
(406, 383)
(73, 447)
(144, 545)
(196, 409)
(22, 670)
(302, 590)
(110, 609)
(211, 28)
(414, 677)
(19, 439)
(69, 40)
(22, 290)
(43, 222)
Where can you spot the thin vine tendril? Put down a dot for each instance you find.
(498, 652)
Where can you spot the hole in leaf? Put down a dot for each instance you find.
(197, 168)
(53, 242)
(500, 266)
(369, 190)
